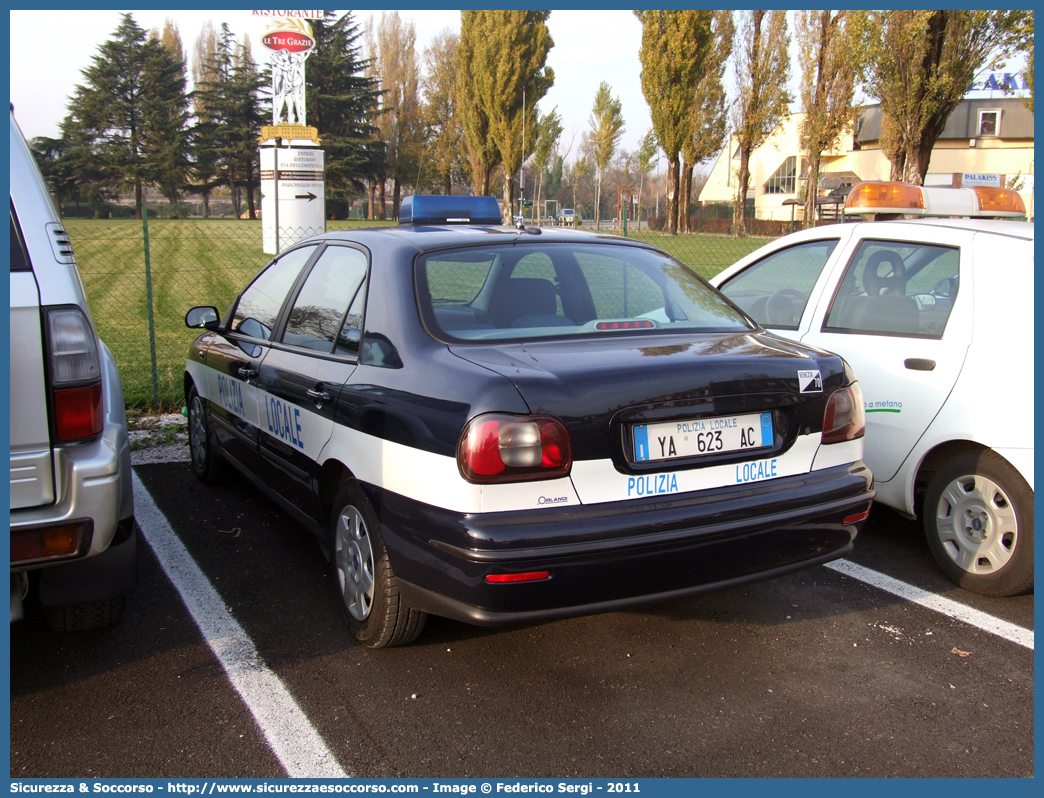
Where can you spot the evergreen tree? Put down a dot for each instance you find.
(233, 117)
(107, 116)
(51, 157)
(205, 167)
(166, 137)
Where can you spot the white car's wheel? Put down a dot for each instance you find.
(978, 518)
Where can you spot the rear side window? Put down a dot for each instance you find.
(258, 306)
(555, 290)
(897, 288)
(318, 315)
(19, 258)
(775, 290)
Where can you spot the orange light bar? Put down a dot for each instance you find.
(999, 200)
(884, 197)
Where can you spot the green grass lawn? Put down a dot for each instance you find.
(207, 262)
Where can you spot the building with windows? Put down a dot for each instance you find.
(987, 140)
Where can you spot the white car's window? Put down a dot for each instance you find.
(775, 290)
(897, 288)
(259, 305)
(555, 290)
(323, 301)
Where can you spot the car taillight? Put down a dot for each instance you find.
(76, 392)
(501, 448)
(844, 418)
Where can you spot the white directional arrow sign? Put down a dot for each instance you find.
(302, 195)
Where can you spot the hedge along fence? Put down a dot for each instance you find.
(141, 276)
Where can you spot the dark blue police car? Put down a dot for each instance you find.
(505, 425)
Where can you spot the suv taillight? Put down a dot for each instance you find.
(76, 392)
(844, 418)
(502, 448)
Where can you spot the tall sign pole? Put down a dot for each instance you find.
(293, 175)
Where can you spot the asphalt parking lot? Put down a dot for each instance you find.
(816, 674)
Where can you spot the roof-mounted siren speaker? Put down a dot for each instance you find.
(440, 209)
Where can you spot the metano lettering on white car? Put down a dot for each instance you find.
(500, 426)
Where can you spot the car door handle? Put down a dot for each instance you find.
(319, 396)
(246, 372)
(919, 364)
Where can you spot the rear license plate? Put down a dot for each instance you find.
(695, 437)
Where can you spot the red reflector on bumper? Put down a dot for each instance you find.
(855, 519)
(531, 576)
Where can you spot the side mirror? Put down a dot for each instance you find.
(203, 318)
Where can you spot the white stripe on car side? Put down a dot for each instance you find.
(435, 479)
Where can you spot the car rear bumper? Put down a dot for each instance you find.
(93, 485)
(608, 557)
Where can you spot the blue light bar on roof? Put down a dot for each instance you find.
(443, 209)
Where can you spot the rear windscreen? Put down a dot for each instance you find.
(553, 290)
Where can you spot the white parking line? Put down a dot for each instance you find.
(954, 609)
(289, 733)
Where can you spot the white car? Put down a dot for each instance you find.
(935, 316)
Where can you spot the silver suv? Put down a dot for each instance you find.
(72, 505)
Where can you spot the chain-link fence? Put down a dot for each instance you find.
(141, 276)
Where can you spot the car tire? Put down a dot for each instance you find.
(207, 464)
(978, 518)
(92, 615)
(376, 612)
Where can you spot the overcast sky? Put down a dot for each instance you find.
(589, 48)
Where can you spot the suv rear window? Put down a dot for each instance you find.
(519, 291)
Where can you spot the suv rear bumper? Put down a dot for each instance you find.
(608, 557)
(93, 481)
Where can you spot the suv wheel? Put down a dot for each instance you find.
(92, 615)
(978, 518)
(377, 615)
